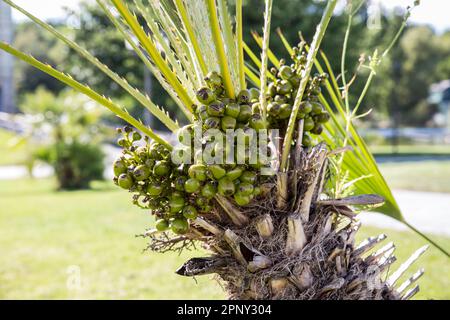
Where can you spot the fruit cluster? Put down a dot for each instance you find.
(282, 91)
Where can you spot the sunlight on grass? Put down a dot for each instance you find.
(431, 176)
(46, 237)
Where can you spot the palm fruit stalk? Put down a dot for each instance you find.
(302, 247)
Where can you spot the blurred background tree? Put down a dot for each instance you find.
(73, 135)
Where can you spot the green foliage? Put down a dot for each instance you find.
(70, 135)
(76, 164)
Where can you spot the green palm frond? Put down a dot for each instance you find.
(68, 80)
(144, 100)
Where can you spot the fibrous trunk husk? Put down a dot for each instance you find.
(297, 247)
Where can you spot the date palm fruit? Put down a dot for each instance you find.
(242, 199)
(305, 107)
(248, 176)
(286, 72)
(243, 97)
(119, 167)
(285, 111)
(306, 141)
(234, 173)
(198, 171)
(141, 172)
(216, 109)
(226, 187)
(190, 212)
(273, 109)
(155, 189)
(205, 95)
(213, 79)
(162, 225)
(232, 110)
(212, 123)
(318, 129)
(257, 122)
(161, 168)
(308, 124)
(316, 108)
(323, 117)
(176, 204)
(245, 113)
(254, 94)
(216, 171)
(227, 123)
(272, 89)
(191, 185)
(284, 87)
(209, 190)
(245, 189)
(179, 225)
(125, 181)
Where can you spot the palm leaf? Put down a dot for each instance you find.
(144, 100)
(67, 79)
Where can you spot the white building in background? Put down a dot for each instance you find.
(7, 91)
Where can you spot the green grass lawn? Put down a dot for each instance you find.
(406, 149)
(48, 237)
(9, 155)
(433, 176)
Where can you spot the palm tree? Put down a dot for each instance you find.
(287, 236)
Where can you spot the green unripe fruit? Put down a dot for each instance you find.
(245, 189)
(301, 115)
(141, 173)
(216, 109)
(234, 174)
(176, 204)
(232, 110)
(162, 225)
(205, 95)
(256, 108)
(323, 117)
(273, 109)
(285, 111)
(191, 185)
(254, 94)
(161, 168)
(295, 80)
(228, 122)
(243, 97)
(141, 152)
(308, 124)
(280, 99)
(119, 167)
(213, 79)
(202, 113)
(226, 187)
(284, 87)
(306, 141)
(257, 191)
(245, 113)
(316, 90)
(209, 190)
(286, 72)
(216, 171)
(197, 171)
(316, 108)
(305, 107)
(241, 199)
(318, 129)
(155, 189)
(122, 142)
(190, 212)
(179, 183)
(136, 136)
(206, 208)
(212, 123)
(271, 89)
(201, 201)
(180, 226)
(125, 181)
(248, 176)
(256, 122)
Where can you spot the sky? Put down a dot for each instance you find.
(433, 12)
